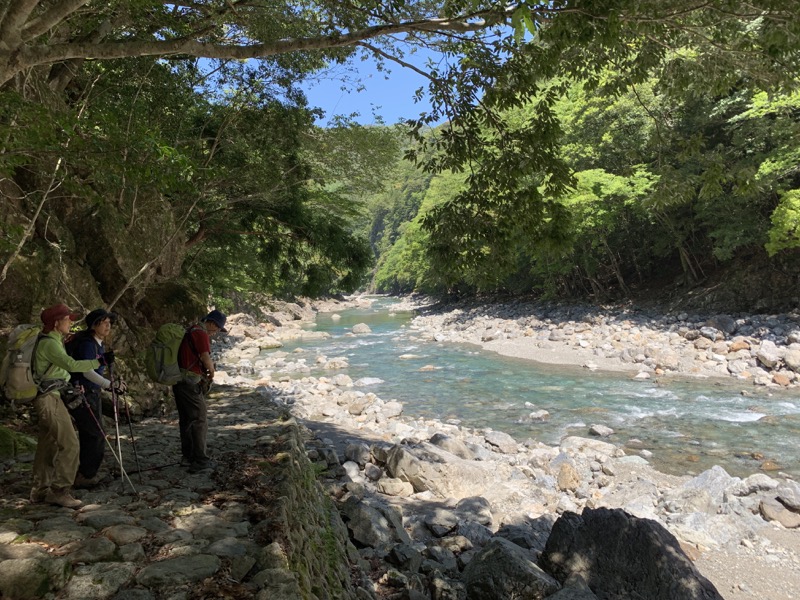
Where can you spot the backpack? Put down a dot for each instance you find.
(161, 357)
(17, 370)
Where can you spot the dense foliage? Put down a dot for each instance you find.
(663, 186)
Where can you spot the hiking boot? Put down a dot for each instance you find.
(38, 495)
(62, 498)
(199, 467)
(82, 482)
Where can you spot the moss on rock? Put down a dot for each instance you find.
(13, 444)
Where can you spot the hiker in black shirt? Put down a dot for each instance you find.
(88, 419)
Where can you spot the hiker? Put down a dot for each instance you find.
(56, 461)
(194, 359)
(88, 417)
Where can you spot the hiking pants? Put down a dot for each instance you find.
(56, 459)
(192, 420)
(90, 433)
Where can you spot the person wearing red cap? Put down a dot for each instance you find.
(56, 461)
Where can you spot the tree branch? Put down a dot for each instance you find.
(51, 18)
(29, 229)
(12, 62)
(16, 13)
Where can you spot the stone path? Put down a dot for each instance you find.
(180, 535)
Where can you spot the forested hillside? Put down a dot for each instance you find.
(669, 191)
(155, 157)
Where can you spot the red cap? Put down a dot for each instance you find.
(56, 312)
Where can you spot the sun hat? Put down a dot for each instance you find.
(218, 318)
(98, 315)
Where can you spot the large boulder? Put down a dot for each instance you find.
(503, 570)
(622, 556)
(430, 468)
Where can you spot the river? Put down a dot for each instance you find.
(688, 426)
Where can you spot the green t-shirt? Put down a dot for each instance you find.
(51, 351)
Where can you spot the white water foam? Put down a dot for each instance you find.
(738, 417)
(365, 381)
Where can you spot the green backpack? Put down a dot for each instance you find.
(17, 371)
(161, 357)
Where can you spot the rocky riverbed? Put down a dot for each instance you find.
(762, 350)
(421, 500)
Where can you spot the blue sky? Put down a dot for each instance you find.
(369, 92)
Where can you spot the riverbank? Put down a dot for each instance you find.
(720, 519)
(760, 350)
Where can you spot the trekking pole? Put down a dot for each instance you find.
(116, 422)
(133, 440)
(123, 474)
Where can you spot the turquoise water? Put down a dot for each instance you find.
(688, 426)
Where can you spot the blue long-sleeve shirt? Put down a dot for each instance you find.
(85, 347)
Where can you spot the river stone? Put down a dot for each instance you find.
(600, 430)
(101, 580)
(754, 483)
(593, 449)
(390, 410)
(475, 508)
(532, 535)
(361, 328)
(176, 571)
(723, 323)
(738, 345)
(772, 510)
(647, 562)
(789, 494)
(503, 570)
(373, 524)
(792, 360)
(429, 468)
(502, 441)
(712, 333)
(452, 445)
(703, 343)
(768, 354)
(358, 453)
(392, 486)
(406, 557)
(714, 480)
(441, 522)
(568, 478)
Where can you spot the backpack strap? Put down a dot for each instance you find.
(188, 336)
(37, 380)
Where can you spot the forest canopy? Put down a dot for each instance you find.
(183, 129)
